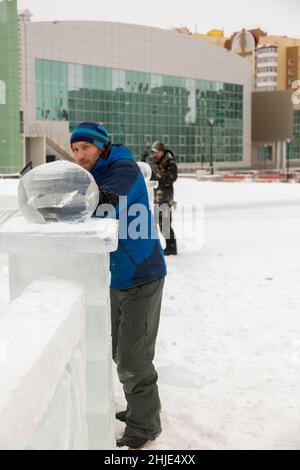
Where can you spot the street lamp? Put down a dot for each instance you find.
(211, 122)
(288, 141)
(265, 155)
(202, 148)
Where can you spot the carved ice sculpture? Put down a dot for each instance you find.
(58, 192)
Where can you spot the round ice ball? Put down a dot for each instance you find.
(145, 169)
(60, 191)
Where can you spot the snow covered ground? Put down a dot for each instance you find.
(228, 352)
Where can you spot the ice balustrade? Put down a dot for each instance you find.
(56, 365)
(55, 344)
(151, 185)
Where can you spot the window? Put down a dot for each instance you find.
(138, 108)
(129, 139)
(266, 69)
(166, 140)
(148, 140)
(2, 92)
(264, 153)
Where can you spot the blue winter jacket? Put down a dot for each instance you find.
(137, 260)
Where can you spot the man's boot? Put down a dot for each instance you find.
(121, 416)
(171, 248)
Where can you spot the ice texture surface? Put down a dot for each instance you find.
(60, 191)
(145, 169)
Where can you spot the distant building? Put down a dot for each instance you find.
(275, 64)
(215, 36)
(143, 83)
(192, 91)
(11, 142)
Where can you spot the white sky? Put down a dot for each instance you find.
(279, 17)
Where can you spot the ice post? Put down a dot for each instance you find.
(56, 238)
(151, 185)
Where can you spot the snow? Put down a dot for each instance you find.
(4, 291)
(8, 187)
(8, 195)
(93, 236)
(231, 195)
(42, 323)
(228, 351)
(73, 254)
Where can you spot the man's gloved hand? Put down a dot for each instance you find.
(157, 173)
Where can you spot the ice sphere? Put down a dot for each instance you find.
(60, 191)
(145, 169)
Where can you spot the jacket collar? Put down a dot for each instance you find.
(114, 153)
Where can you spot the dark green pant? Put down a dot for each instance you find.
(135, 314)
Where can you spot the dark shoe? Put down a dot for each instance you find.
(170, 251)
(121, 416)
(134, 442)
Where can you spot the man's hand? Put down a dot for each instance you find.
(157, 173)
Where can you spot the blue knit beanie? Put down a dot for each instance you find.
(91, 132)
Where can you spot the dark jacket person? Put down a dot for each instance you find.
(164, 170)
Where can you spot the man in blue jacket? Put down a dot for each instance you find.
(137, 278)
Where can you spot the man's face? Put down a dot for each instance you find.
(157, 154)
(86, 154)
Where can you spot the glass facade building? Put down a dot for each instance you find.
(294, 151)
(138, 108)
(11, 149)
(264, 153)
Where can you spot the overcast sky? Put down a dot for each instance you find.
(280, 17)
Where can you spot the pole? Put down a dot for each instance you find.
(211, 122)
(265, 157)
(288, 161)
(211, 152)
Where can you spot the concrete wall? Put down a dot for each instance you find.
(272, 116)
(35, 150)
(272, 124)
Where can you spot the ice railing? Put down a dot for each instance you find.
(55, 342)
(42, 363)
(8, 209)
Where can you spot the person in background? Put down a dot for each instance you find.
(164, 170)
(145, 157)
